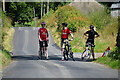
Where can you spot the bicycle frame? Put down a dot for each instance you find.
(68, 51)
(87, 53)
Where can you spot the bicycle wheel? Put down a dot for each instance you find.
(71, 56)
(65, 54)
(82, 54)
(87, 55)
(44, 55)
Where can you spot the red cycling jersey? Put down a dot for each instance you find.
(65, 33)
(43, 33)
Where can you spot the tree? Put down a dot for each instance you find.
(47, 6)
(41, 8)
(20, 12)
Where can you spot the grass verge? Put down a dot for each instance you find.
(112, 63)
(5, 59)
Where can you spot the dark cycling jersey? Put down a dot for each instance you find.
(91, 35)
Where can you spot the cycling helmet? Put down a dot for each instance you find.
(91, 27)
(42, 23)
(64, 24)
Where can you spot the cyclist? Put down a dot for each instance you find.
(43, 36)
(91, 34)
(64, 36)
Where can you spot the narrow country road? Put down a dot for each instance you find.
(27, 65)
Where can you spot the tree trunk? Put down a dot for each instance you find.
(44, 9)
(41, 8)
(34, 16)
(4, 5)
(48, 7)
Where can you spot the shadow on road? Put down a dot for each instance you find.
(25, 57)
(79, 59)
(52, 57)
(55, 57)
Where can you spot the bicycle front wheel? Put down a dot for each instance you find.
(86, 55)
(65, 54)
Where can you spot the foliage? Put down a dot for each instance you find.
(118, 37)
(6, 58)
(72, 17)
(100, 18)
(54, 5)
(6, 35)
(20, 12)
(115, 54)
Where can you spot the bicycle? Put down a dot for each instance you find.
(68, 51)
(86, 54)
(42, 53)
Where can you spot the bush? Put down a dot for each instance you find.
(115, 54)
(72, 17)
(6, 39)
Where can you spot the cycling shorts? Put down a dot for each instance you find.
(41, 43)
(92, 43)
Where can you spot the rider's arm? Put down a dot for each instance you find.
(47, 34)
(69, 32)
(39, 36)
(71, 36)
(85, 34)
(97, 35)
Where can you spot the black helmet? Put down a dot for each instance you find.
(64, 24)
(91, 27)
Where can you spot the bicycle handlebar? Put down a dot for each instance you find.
(67, 40)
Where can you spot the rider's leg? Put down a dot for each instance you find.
(62, 49)
(62, 54)
(40, 51)
(92, 49)
(45, 48)
(40, 48)
(46, 51)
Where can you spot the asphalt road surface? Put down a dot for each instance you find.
(27, 65)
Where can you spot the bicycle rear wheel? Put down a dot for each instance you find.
(71, 56)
